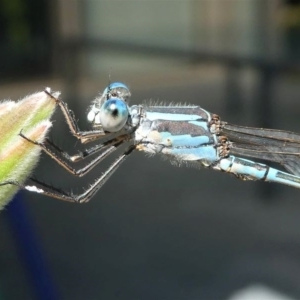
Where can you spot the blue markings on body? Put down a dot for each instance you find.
(152, 116)
(184, 134)
(184, 140)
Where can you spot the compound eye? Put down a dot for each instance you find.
(113, 115)
(117, 90)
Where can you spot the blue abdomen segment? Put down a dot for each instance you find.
(243, 167)
(250, 170)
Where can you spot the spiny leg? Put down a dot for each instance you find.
(83, 136)
(73, 158)
(88, 167)
(52, 192)
(110, 146)
(82, 154)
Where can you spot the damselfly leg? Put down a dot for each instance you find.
(62, 157)
(47, 190)
(83, 136)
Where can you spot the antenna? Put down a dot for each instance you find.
(109, 82)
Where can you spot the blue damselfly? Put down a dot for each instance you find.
(184, 134)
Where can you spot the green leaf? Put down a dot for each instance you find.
(18, 157)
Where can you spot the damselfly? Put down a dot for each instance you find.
(184, 134)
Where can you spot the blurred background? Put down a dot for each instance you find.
(154, 231)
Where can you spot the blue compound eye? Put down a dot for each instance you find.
(113, 115)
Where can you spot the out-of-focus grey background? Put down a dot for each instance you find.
(154, 231)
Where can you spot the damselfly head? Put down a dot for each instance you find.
(110, 111)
